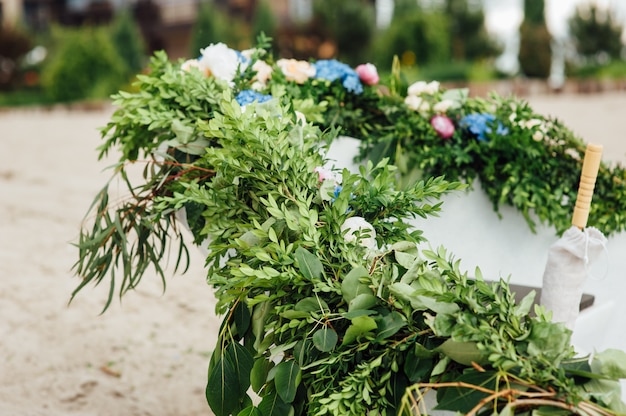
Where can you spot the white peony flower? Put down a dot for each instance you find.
(220, 61)
(358, 230)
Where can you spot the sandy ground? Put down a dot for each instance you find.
(148, 354)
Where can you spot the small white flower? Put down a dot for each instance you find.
(537, 136)
(443, 106)
(356, 229)
(529, 124)
(220, 61)
(423, 87)
(416, 103)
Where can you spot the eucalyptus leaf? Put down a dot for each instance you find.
(464, 353)
(325, 339)
(273, 405)
(389, 325)
(464, 399)
(250, 411)
(310, 266)
(287, 379)
(362, 301)
(610, 363)
(360, 326)
(351, 286)
(229, 379)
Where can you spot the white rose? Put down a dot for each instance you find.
(356, 229)
(220, 61)
(263, 71)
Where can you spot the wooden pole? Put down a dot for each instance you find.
(591, 165)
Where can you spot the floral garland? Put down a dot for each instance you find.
(329, 307)
(521, 158)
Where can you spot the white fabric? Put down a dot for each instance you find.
(566, 272)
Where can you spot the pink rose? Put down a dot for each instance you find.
(443, 126)
(368, 74)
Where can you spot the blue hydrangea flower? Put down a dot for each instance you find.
(481, 124)
(331, 70)
(242, 59)
(246, 97)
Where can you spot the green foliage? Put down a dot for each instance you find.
(83, 64)
(535, 51)
(207, 28)
(127, 42)
(316, 321)
(595, 34)
(213, 25)
(419, 38)
(469, 37)
(534, 12)
(350, 23)
(264, 21)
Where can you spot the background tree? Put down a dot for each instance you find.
(469, 38)
(206, 28)
(128, 42)
(596, 36)
(416, 36)
(535, 54)
(350, 23)
(264, 21)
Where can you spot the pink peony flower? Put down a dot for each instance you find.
(443, 126)
(323, 173)
(368, 74)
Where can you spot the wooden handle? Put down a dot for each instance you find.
(591, 165)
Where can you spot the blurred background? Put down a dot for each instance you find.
(80, 50)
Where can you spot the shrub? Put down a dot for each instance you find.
(128, 42)
(84, 64)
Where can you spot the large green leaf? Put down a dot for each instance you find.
(610, 363)
(229, 379)
(286, 379)
(351, 286)
(360, 326)
(273, 405)
(363, 301)
(462, 352)
(325, 339)
(258, 374)
(240, 319)
(250, 411)
(310, 266)
(464, 399)
(389, 325)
